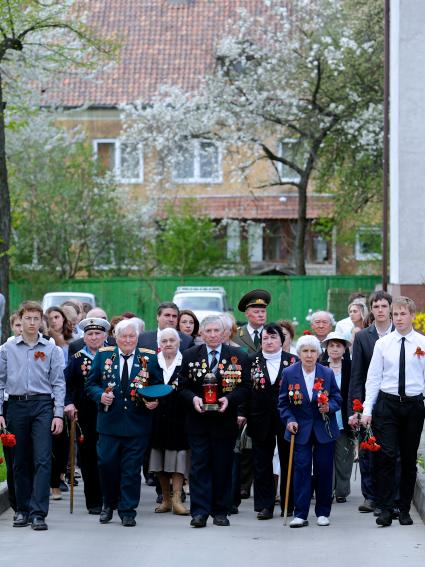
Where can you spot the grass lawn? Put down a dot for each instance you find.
(2, 466)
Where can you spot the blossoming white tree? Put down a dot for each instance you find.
(38, 39)
(305, 71)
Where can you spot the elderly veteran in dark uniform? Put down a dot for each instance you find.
(254, 305)
(264, 423)
(31, 371)
(212, 434)
(248, 337)
(124, 421)
(79, 406)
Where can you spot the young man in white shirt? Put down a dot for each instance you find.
(394, 406)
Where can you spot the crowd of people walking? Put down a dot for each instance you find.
(214, 410)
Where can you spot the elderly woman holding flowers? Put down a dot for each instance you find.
(308, 401)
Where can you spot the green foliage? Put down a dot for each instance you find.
(187, 243)
(2, 466)
(67, 221)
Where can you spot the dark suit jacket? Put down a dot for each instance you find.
(243, 339)
(190, 385)
(124, 417)
(76, 373)
(148, 339)
(363, 345)
(307, 413)
(262, 413)
(169, 430)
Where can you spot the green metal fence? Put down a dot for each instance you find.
(292, 296)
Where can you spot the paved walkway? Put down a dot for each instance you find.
(160, 540)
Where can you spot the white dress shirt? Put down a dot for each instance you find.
(251, 331)
(217, 350)
(309, 381)
(129, 362)
(383, 373)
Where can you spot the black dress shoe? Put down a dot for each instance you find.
(244, 494)
(265, 514)
(384, 519)
(95, 510)
(340, 499)
(128, 521)
(405, 518)
(234, 510)
(20, 520)
(220, 520)
(198, 522)
(106, 515)
(395, 513)
(63, 486)
(38, 523)
(150, 480)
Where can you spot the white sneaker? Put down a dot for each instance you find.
(323, 521)
(298, 523)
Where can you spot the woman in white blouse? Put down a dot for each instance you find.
(170, 454)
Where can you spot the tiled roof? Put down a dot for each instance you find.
(263, 207)
(163, 42)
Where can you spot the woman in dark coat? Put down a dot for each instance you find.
(264, 424)
(170, 455)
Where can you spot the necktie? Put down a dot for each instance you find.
(214, 361)
(124, 375)
(402, 370)
(256, 338)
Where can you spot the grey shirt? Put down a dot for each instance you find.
(36, 369)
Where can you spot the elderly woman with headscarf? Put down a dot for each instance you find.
(169, 455)
(308, 401)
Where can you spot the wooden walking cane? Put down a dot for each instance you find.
(288, 478)
(72, 463)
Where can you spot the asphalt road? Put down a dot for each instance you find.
(160, 540)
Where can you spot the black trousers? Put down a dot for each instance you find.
(31, 421)
(120, 463)
(397, 426)
(264, 484)
(211, 475)
(9, 456)
(89, 467)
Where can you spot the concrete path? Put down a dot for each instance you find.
(165, 540)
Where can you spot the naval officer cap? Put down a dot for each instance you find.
(94, 324)
(255, 298)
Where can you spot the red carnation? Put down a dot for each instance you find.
(322, 399)
(357, 405)
(8, 439)
(307, 332)
(81, 439)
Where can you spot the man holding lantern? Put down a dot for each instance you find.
(214, 380)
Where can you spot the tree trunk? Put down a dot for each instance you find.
(301, 229)
(4, 219)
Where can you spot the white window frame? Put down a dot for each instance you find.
(294, 178)
(196, 144)
(359, 255)
(117, 160)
